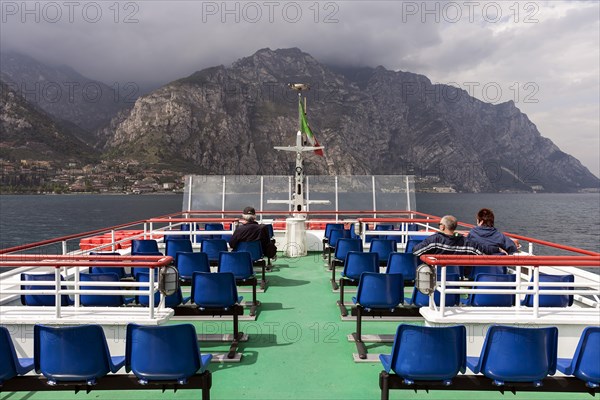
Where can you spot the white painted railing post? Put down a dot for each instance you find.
(57, 292)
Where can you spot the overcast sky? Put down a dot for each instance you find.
(544, 55)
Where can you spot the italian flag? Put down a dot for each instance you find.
(305, 129)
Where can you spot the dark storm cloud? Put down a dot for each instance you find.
(542, 51)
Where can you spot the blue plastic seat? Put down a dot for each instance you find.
(171, 301)
(189, 262)
(412, 241)
(213, 226)
(551, 300)
(342, 248)
(585, 363)
(144, 247)
(41, 299)
(422, 353)
(172, 247)
(513, 354)
(358, 262)
(383, 247)
(239, 263)
(164, 353)
(11, 365)
(326, 236)
(212, 248)
(402, 263)
(214, 290)
(379, 291)
(421, 300)
(166, 238)
(254, 248)
(488, 299)
(486, 269)
(119, 271)
(335, 234)
(73, 353)
(376, 292)
(110, 300)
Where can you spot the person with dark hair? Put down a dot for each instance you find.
(447, 241)
(249, 230)
(486, 234)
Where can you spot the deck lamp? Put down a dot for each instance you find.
(425, 281)
(168, 280)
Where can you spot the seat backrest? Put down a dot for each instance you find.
(120, 271)
(70, 353)
(429, 353)
(171, 301)
(144, 246)
(337, 234)
(190, 262)
(402, 263)
(41, 299)
(358, 262)
(586, 364)
(270, 230)
(10, 365)
(213, 226)
(186, 227)
(382, 291)
(486, 269)
(212, 248)
(345, 245)
(214, 290)
(253, 247)
(108, 270)
(516, 354)
(237, 262)
(163, 352)
(551, 300)
(422, 300)
(329, 227)
(174, 246)
(412, 241)
(100, 300)
(492, 300)
(383, 247)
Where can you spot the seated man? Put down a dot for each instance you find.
(449, 242)
(250, 230)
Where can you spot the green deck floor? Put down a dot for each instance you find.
(297, 350)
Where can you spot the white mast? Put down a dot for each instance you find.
(298, 202)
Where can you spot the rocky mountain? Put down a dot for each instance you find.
(69, 97)
(28, 133)
(226, 120)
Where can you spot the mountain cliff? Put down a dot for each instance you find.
(29, 133)
(226, 120)
(71, 99)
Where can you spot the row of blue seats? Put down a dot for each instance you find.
(211, 247)
(208, 289)
(509, 354)
(153, 353)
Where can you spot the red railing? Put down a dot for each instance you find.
(58, 261)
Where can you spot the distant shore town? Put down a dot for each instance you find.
(127, 177)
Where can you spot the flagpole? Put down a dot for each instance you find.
(297, 201)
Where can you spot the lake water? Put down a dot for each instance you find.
(571, 219)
